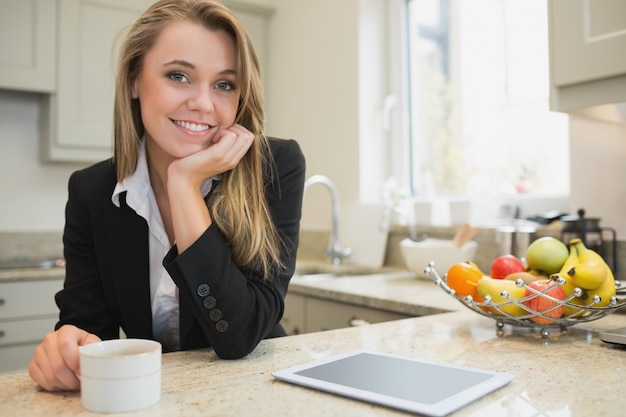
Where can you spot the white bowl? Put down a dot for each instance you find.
(417, 255)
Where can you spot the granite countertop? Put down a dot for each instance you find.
(568, 374)
(572, 374)
(395, 290)
(31, 274)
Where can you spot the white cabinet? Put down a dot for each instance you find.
(587, 59)
(327, 315)
(27, 41)
(78, 116)
(293, 317)
(305, 314)
(27, 313)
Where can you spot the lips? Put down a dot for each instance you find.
(193, 127)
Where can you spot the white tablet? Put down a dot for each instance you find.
(616, 336)
(408, 384)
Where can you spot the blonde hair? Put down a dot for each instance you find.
(238, 207)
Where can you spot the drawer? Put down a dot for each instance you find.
(24, 331)
(28, 298)
(16, 358)
(326, 315)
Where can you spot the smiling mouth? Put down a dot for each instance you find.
(194, 127)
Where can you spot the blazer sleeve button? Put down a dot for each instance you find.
(215, 314)
(203, 290)
(209, 302)
(222, 326)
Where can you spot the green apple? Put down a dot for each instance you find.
(546, 254)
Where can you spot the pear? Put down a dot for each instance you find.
(493, 287)
(526, 276)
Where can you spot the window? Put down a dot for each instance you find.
(479, 122)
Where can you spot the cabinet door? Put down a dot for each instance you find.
(27, 39)
(255, 19)
(15, 358)
(22, 299)
(80, 113)
(327, 315)
(589, 38)
(587, 63)
(293, 317)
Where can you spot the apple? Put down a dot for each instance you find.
(542, 304)
(505, 265)
(546, 254)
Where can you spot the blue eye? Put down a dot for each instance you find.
(224, 85)
(177, 76)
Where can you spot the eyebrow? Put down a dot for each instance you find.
(188, 64)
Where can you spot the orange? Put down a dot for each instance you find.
(462, 278)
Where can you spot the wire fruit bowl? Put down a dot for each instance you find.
(488, 308)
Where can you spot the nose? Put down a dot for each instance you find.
(201, 100)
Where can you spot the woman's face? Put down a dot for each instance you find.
(187, 89)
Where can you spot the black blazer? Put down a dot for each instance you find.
(107, 283)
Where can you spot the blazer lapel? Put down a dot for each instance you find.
(128, 245)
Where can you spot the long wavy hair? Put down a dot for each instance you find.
(238, 206)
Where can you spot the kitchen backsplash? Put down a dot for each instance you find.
(312, 244)
(32, 245)
(24, 246)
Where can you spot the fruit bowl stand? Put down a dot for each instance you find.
(495, 311)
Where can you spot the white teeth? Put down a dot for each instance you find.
(192, 126)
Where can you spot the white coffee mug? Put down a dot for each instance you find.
(120, 375)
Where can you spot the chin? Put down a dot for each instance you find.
(189, 149)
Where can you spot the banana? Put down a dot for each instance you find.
(572, 260)
(605, 291)
(591, 272)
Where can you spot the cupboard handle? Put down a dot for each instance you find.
(2, 334)
(2, 301)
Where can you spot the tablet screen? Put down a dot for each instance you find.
(398, 382)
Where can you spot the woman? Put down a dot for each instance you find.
(189, 234)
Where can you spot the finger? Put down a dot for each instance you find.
(64, 365)
(89, 339)
(69, 341)
(35, 369)
(243, 139)
(48, 368)
(231, 148)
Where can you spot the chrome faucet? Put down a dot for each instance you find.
(387, 218)
(335, 250)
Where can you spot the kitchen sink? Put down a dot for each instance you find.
(321, 271)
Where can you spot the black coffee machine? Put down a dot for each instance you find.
(589, 231)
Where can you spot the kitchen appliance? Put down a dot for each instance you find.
(592, 235)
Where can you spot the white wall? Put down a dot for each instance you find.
(326, 88)
(313, 90)
(32, 194)
(598, 171)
